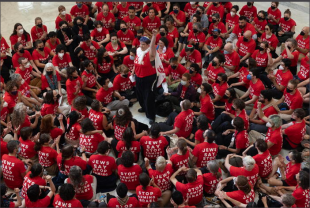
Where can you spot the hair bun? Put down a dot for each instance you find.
(121, 112)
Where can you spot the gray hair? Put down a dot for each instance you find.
(293, 41)
(248, 163)
(14, 77)
(161, 163)
(19, 114)
(76, 176)
(276, 120)
(198, 25)
(48, 65)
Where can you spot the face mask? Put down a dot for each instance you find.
(132, 58)
(124, 29)
(191, 71)
(198, 12)
(99, 29)
(174, 67)
(192, 3)
(249, 77)
(162, 34)
(215, 4)
(199, 90)
(49, 72)
(23, 81)
(39, 25)
(232, 122)
(214, 21)
(268, 36)
(225, 96)
(226, 52)
(289, 90)
(245, 65)
(21, 31)
(149, 4)
(41, 49)
(60, 55)
(241, 26)
(183, 82)
(176, 11)
(281, 67)
(286, 18)
(64, 29)
(22, 50)
(110, 85)
(214, 63)
(114, 41)
(195, 30)
(27, 65)
(289, 47)
(245, 39)
(272, 7)
(79, 24)
(260, 49)
(233, 108)
(217, 81)
(138, 37)
(287, 158)
(74, 77)
(302, 33)
(5, 104)
(19, 150)
(125, 75)
(14, 92)
(63, 13)
(215, 36)
(82, 57)
(79, 5)
(260, 18)
(268, 124)
(232, 14)
(249, 3)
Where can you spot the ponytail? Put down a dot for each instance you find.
(44, 138)
(73, 118)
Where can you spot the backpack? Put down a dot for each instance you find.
(163, 107)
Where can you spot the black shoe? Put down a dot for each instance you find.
(140, 110)
(205, 64)
(151, 122)
(130, 104)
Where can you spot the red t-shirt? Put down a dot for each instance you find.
(207, 107)
(295, 133)
(245, 47)
(239, 32)
(105, 96)
(251, 175)
(260, 25)
(74, 132)
(4, 149)
(261, 59)
(150, 24)
(102, 165)
(36, 32)
(12, 168)
(99, 4)
(276, 14)
(145, 68)
(14, 38)
(267, 112)
(248, 12)
(11, 100)
(16, 56)
(264, 162)
(179, 161)
(104, 67)
(150, 194)
(232, 59)
(228, 108)
(72, 85)
(195, 57)
(132, 23)
(184, 121)
(122, 12)
(303, 73)
(69, 163)
(25, 74)
(210, 182)
(90, 142)
(241, 139)
(58, 20)
(90, 54)
(220, 26)
(274, 136)
(283, 78)
(62, 63)
(135, 148)
(244, 117)
(39, 203)
(192, 191)
(153, 147)
(132, 202)
(243, 76)
(45, 82)
(301, 196)
(166, 56)
(232, 21)
(84, 192)
(47, 156)
(129, 63)
(302, 43)
(106, 20)
(294, 61)
(162, 178)
(110, 48)
(198, 38)
(100, 36)
(189, 9)
(290, 173)
(174, 33)
(199, 136)
(3, 46)
(213, 72)
(176, 73)
(205, 152)
(213, 43)
(129, 36)
(287, 25)
(196, 80)
(97, 118)
(272, 40)
(241, 196)
(59, 203)
(215, 10)
(256, 88)
(30, 181)
(91, 79)
(79, 12)
(220, 90)
(180, 17)
(122, 84)
(27, 148)
(293, 101)
(129, 176)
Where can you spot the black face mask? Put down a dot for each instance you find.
(260, 18)
(260, 49)
(149, 4)
(74, 77)
(302, 33)
(289, 47)
(174, 67)
(214, 21)
(232, 108)
(22, 50)
(162, 34)
(241, 26)
(198, 12)
(58, 96)
(245, 39)
(82, 57)
(214, 63)
(245, 65)
(39, 25)
(289, 90)
(195, 30)
(125, 75)
(272, 7)
(138, 37)
(215, 4)
(124, 29)
(249, 3)
(217, 81)
(49, 72)
(215, 36)
(64, 29)
(191, 72)
(79, 24)
(225, 96)
(40, 49)
(286, 18)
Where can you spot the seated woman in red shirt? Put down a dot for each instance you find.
(98, 115)
(117, 49)
(42, 55)
(104, 168)
(62, 60)
(180, 158)
(148, 191)
(12, 96)
(66, 197)
(20, 35)
(211, 177)
(89, 76)
(47, 154)
(129, 171)
(83, 184)
(51, 104)
(165, 53)
(74, 84)
(287, 27)
(48, 127)
(27, 144)
(128, 143)
(105, 64)
(52, 41)
(74, 129)
(100, 34)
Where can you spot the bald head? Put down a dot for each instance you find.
(228, 47)
(305, 30)
(248, 34)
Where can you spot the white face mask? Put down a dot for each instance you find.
(183, 82)
(110, 85)
(63, 13)
(232, 122)
(99, 29)
(132, 58)
(21, 31)
(268, 36)
(199, 90)
(268, 125)
(60, 55)
(5, 104)
(192, 3)
(23, 81)
(281, 67)
(27, 65)
(232, 14)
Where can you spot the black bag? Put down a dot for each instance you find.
(163, 107)
(270, 201)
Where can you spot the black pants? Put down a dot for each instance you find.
(222, 123)
(146, 94)
(168, 125)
